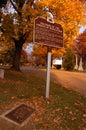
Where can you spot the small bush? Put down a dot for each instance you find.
(69, 60)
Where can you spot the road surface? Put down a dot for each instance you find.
(71, 80)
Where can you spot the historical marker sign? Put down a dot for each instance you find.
(49, 34)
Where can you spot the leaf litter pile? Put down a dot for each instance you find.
(64, 110)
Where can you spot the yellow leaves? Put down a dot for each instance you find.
(39, 50)
(58, 52)
(68, 13)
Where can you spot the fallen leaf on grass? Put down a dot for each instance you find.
(84, 129)
(36, 119)
(56, 120)
(78, 103)
(58, 109)
(13, 97)
(84, 118)
(70, 112)
(45, 125)
(73, 118)
(66, 107)
(5, 92)
(84, 115)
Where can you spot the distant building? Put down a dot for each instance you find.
(57, 63)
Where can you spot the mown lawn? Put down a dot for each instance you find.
(64, 110)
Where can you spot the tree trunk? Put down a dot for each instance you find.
(17, 56)
(18, 48)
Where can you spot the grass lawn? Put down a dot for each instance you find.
(64, 110)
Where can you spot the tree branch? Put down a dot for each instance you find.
(16, 8)
(31, 2)
(2, 30)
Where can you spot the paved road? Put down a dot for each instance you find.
(73, 80)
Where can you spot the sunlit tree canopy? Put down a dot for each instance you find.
(18, 26)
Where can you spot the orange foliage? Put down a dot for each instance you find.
(58, 52)
(82, 42)
(39, 50)
(70, 14)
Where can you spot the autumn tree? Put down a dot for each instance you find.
(18, 26)
(70, 14)
(40, 54)
(6, 50)
(80, 47)
(58, 52)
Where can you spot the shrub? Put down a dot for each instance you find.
(69, 60)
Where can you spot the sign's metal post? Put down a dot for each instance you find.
(48, 72)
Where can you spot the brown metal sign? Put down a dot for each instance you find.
(47, 33)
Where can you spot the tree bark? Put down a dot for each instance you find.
(17, 55)
(18, 49)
